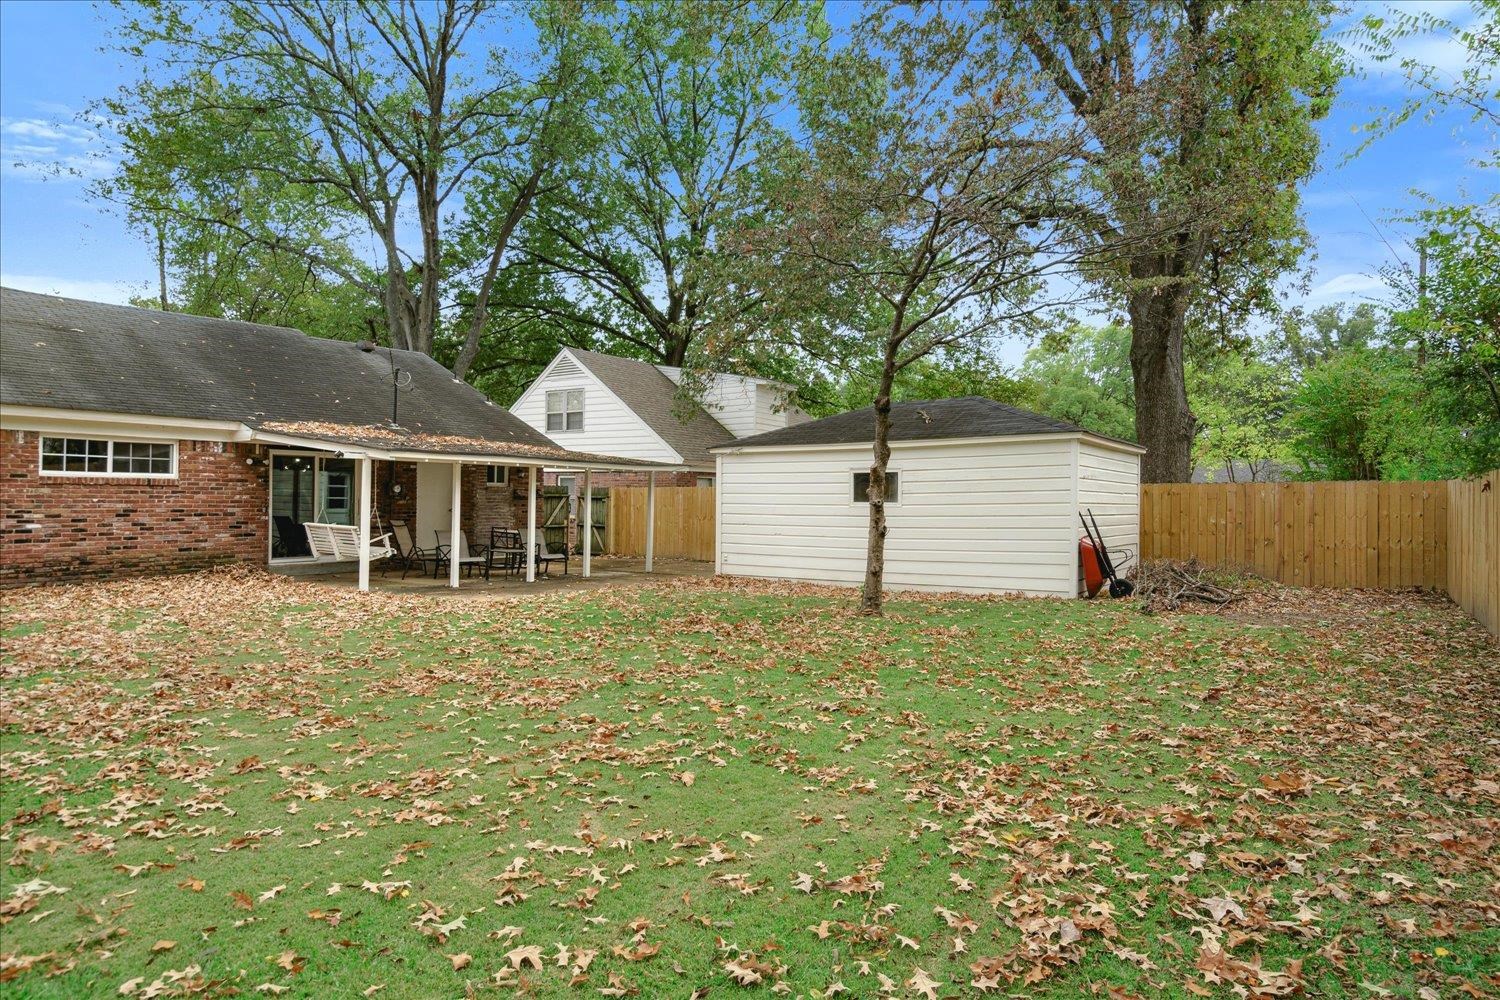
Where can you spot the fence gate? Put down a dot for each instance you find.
(557, 506)
(555, 517)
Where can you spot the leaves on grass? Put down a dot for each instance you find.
(967, 797)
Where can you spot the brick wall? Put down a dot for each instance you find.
(59, 528)
(483, 506)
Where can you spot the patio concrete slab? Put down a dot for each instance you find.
(607, 572)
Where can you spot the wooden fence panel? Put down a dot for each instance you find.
(1472, 522)
(684, 522)
(1364, 534)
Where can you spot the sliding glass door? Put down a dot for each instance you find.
(308, 487)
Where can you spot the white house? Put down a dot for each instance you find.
(984, 498)
(616, 406)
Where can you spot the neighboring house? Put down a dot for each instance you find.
(1267, 470)
(984, 497)
(607, 405)
(136, 440)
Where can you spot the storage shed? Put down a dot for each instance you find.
(985, 499)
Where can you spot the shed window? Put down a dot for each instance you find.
(892, 487)
(67, 456)
(496, 475)
(565, 410)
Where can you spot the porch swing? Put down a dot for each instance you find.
(341, 542)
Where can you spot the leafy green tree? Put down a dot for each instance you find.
(1083, 376)
(318, 133)
(912, 224)
(1358, 415)
(1308, 337)
(1197, 212)
(1451, 321)
(674, 151)
(1241, 402)
(963, 370)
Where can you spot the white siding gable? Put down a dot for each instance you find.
(745, 406)
(609, 426)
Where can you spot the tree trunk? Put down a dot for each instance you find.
(518, 210)
(873, 596)
(1163, 421)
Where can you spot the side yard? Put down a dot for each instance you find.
(231, 782)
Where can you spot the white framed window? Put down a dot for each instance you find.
(565, 410)
(892, 487)
(706, 481)
(496, 475)
(77, 456)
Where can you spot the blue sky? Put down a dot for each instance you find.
(54, 62)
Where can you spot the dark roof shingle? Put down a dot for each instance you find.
(920, 420)
(77, 355)
(685, 426)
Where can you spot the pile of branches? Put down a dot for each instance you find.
(1168, 584)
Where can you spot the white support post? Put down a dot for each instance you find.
(364, 523)
(455, 526)
(650, 519)
(588, 521)
(532, 475)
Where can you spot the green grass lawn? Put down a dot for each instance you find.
(231, 782)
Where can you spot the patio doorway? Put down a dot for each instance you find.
(306, 486)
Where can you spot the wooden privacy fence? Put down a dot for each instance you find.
(1474, 547)
(684, 522)
(1439, 535)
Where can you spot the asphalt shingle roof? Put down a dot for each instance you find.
(685, 426)
(920, 420)
(77, 355)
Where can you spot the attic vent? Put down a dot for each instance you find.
(566, 366)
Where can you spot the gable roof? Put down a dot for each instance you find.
(686, 427)
(921, 420)
(75, 355)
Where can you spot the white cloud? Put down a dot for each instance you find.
(37, 149)
(118, 292)
(1350, 285)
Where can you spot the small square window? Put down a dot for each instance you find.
(496, 475)
(892, 487)
(565, 410)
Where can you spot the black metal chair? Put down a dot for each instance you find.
(291, 540)
(505, 544)
(470, 556)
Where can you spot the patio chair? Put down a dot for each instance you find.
(545, 558)
(468, 555)
(408, 554)
(505, 545)
(291, 540)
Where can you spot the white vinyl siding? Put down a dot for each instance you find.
(986, 516)
(770, 412)
(610, 428)
(1109, 484)
(745, 406)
